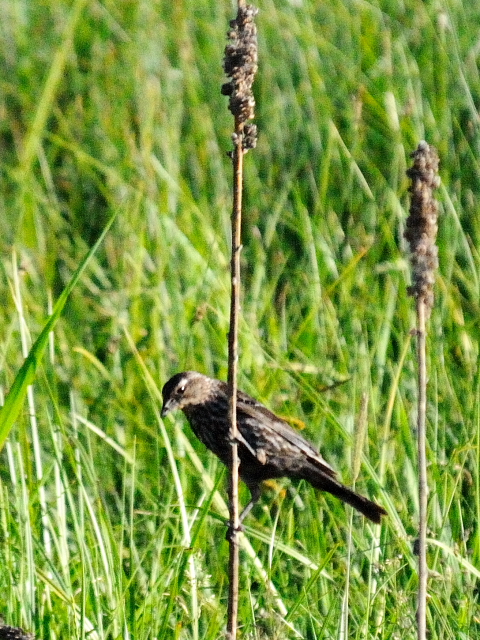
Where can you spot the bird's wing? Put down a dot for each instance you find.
(277, 429)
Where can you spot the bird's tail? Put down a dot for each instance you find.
(372, 511)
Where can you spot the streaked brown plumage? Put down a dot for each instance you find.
(267, 446)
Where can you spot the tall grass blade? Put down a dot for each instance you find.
(18, 391)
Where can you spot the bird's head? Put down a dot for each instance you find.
(186, 389)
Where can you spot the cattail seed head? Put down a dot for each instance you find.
(422, 227)
(240, 65)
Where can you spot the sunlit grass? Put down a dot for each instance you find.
(112, 523)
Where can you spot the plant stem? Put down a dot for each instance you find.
(240, 65)
(232, 380)
(422, 471)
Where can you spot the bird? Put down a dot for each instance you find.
(268, 447)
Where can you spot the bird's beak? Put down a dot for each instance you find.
(167, 407)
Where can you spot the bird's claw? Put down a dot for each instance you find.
(240, 440)
(232, 531)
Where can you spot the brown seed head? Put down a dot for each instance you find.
(422, 225)
(240, 64)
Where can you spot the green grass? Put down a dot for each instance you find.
(112, 523)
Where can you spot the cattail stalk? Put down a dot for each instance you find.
(240, 65)
(421, 233)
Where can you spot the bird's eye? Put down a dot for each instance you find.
(181, 389)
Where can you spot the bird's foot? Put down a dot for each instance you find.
(232, 531)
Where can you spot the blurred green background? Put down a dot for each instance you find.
(110, 525)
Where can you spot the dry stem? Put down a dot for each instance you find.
(421, 234)
(240, 64)
(422, 471)
(232, 382)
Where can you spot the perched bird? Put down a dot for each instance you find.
(267, 446)
(14, 633)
